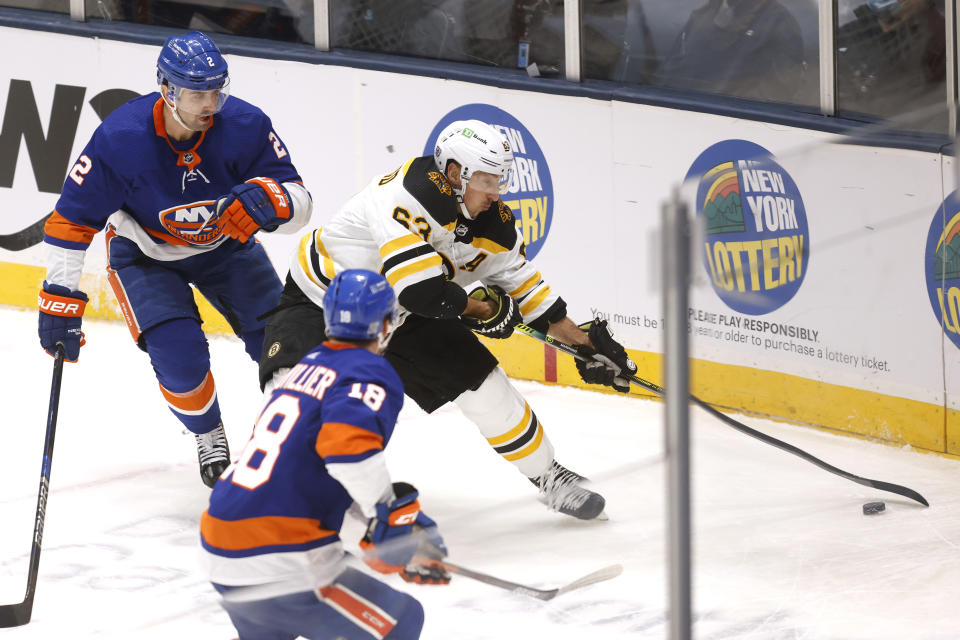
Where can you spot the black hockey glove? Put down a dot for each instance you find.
(606, 362)
(507, 316)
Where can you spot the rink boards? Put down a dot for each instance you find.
(826, 286)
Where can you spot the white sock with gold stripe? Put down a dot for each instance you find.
(509, 425)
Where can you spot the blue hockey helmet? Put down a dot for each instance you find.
(356, 303)
(192, 61)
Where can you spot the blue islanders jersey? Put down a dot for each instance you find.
(317, 447)
(157, 191)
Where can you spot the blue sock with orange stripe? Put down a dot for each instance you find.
(181, 359)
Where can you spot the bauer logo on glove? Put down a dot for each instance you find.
(505, 317)
(259, 203)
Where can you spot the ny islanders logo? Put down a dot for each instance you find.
(530, 192)
(756, 238)
(941, 266)
(196, 223)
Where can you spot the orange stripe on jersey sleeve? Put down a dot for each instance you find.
(62, 229)
(263, 531)
(194, 400)
(339, 439)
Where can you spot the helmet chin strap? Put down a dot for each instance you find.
(458, 192)
(463, 207)
(176, 116)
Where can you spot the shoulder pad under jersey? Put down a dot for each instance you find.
(431, 190)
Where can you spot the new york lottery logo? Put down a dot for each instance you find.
(757, 242)
(942, 266)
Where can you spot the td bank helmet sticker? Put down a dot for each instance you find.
(530, 192)
(757, 242)
(941, 266)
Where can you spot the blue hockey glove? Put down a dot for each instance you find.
(501, 324)
(607, 359)
(401, 531)
(61, 312)
(258, 203)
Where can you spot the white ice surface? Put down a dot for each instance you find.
(782, 549)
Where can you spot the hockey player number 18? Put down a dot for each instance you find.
(373, 396)
(266, 441)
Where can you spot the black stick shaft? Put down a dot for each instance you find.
(739, 426)
(15, 615)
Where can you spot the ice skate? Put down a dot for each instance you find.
(561, 490)
(213, 453)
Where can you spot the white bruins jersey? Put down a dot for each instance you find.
(405, 225)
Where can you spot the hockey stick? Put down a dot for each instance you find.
(739, 426)
(15, 615)
(26, 237)
(542, 594)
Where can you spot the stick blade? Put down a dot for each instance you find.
(600, 575)
(906, 492)
(15, 615)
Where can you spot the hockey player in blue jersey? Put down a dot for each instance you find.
(180, 181)
(271, 533)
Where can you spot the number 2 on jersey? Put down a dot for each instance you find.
(81, 169)
(277, 147)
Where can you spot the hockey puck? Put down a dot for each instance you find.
(871, 508)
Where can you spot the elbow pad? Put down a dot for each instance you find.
(556, 313)
(434, 298)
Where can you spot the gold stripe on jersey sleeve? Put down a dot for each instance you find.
(488, 245)
(304, 261)
(398, 243)
(396, 275)
(535, 301)
(522, 426)
(328, 269)
(526, 286)
(406, 166)
(533, 446)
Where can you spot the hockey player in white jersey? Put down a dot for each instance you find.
(433, 227)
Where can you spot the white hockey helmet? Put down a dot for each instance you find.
(475, 146)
